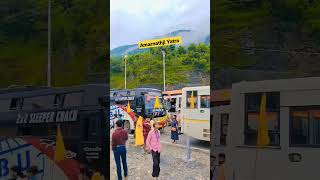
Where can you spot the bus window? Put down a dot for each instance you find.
(305, 126)
(173, 105)
(73, 99)
(90, 126)
(205, 101)
(16, 104)
(38, 102)
(252, 112)
(195, 95)
(58, 100)
(180, 99)
(150, 104)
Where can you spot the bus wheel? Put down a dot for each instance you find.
(127, 126)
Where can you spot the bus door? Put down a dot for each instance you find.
(204, 112)
(178, 103)
(93, 137)
(139, 105)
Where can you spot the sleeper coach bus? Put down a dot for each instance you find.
(141, 101)
(29, 118)
(195, 121)
(293, 116)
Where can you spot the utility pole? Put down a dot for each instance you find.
(125, 71)
(49, 45)
(164, 70)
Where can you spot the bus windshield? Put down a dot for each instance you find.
(151, 101)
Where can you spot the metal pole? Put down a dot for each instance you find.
(164, 70)
(188, 157)
(49, 45)
(125, 71)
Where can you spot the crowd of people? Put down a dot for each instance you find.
(147, 136)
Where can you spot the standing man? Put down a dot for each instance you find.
(119, 138)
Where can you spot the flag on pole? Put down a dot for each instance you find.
(60, 150)
(263, 136)
(128, 108)
(157, 103)
(139, 132)
(192, 101)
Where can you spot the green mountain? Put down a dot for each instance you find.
(185, 66)
(188, 37)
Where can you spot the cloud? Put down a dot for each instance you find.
(132, 21)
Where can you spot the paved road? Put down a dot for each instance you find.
(194, 143)
(166, 137)
(173, 163)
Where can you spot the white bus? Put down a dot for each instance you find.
(293, 116)
(196, 121)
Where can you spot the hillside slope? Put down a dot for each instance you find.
(188, 37)
(184, 67)
(280, 37)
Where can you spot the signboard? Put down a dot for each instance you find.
(128, 98)
(160, 42)
(47, 117)
(122, 93)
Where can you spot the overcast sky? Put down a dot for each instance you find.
(135, 20)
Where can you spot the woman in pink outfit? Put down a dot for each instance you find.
(153, 145)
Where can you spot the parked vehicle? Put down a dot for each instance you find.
(29, 120)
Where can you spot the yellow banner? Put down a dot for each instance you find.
(160, 42)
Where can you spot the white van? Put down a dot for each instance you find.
(196, 121)
(293, 115)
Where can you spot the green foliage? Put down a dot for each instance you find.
(264, 22)
(79, 41)
(147, 68)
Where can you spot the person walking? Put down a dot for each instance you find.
(153, 145)
(119, 138)
(138, 132)
(174, 130)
